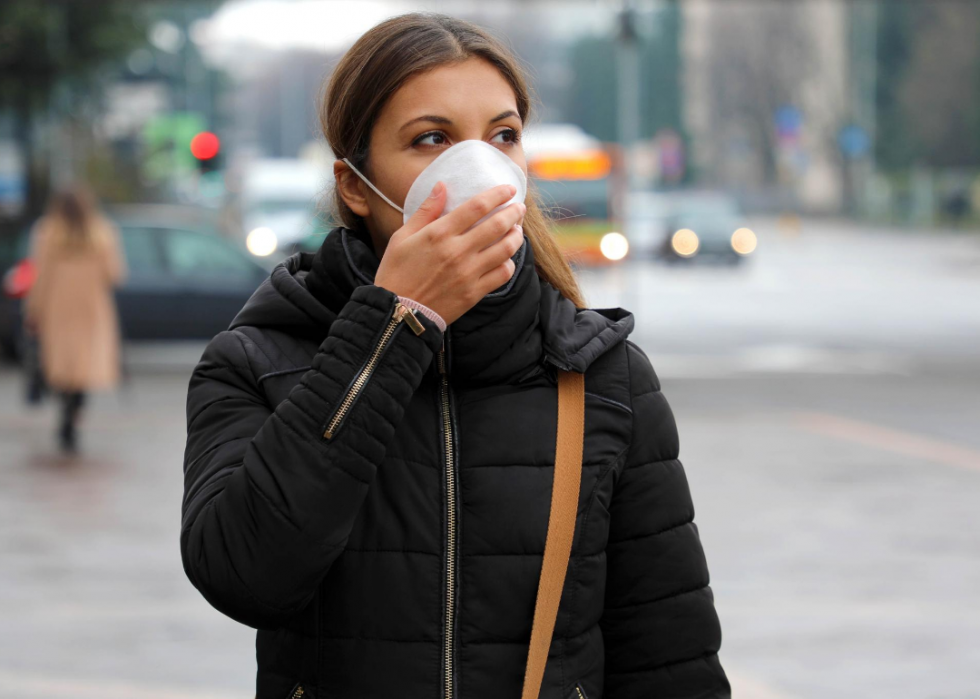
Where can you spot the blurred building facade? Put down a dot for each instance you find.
(765, 93)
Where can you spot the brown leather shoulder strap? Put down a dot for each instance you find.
(561, 525)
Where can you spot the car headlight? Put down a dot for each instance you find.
(614, 246)
(262, 242)
(685, 242)
(744, 241)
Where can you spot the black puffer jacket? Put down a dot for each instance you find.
(375, 501)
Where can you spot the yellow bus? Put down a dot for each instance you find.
(579, 178)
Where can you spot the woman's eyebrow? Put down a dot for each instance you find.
(443, 120)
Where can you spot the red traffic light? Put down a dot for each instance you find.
(205, 145)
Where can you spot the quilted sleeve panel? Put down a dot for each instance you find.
(269, 502)
(661, 630)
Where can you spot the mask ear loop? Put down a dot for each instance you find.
(368, 183)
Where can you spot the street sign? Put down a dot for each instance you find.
(789, 123)
(853, 141)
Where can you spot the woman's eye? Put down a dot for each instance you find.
(430, 134)
(512, 135)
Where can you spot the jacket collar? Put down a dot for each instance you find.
(496, 341)
(508, 336)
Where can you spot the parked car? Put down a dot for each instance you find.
(272, 202)
(646, 222)
(688, 226)
(185, 281)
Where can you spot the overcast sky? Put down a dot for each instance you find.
(242, 26)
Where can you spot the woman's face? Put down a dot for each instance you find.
(429, 113)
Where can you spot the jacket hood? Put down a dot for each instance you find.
(511, 330)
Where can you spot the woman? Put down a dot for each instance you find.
(70, 307)
(374, 499)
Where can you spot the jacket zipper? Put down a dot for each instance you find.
(580, 693)
(298, 692)
(451, 526)
(399, 313)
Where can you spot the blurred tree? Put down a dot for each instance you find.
(44, 43)
(762, 59)
(928, 93)
(592, 98)
(894, 49)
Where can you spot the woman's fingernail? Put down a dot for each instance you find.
(436, 190)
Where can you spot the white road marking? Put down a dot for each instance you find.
(784, 358)
(27, 685)
(746, 687)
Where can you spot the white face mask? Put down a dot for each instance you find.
(467, 168)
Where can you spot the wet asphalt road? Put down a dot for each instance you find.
(828, 401)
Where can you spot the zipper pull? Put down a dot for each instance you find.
(403, 312)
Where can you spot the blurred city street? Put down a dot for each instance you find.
(827, 395)
(786, 195)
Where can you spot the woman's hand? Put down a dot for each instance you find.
(439, 263)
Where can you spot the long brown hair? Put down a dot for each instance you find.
(75, 217)
(384, 58)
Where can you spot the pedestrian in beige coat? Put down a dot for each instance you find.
(70, 307)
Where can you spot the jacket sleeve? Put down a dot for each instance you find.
(660, 626)
(269, 502)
